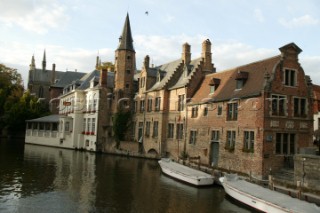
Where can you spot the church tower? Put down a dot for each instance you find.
(125, 65)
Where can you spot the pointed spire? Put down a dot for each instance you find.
(125, 40)
(97, 62)
(33, 63)
(44, 61)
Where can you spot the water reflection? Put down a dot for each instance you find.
(42, 179)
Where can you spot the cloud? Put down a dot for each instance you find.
(36, 17)
(302, 21)
(18, 55)
(226, 54)
(229, 54)
(258, 15)
(163, 49)
(310, 66)
(169, 18)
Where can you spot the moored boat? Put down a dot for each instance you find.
(264, 199)
(184, 173)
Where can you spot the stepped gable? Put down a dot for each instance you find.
(184, 79)
(226, 90)
(316, 95)
(168, 70)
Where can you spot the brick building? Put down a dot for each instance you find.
(249, 119)
(40, 79)
(48, 84)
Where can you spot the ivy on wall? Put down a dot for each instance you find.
(121, 123)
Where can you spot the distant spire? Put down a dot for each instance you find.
(97, 62)
(44, 61)
(125, 40)
(33, 63)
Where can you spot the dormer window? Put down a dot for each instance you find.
(240, 84)
(160, 75)
(214, 83)
(212, 89)
(241, 79)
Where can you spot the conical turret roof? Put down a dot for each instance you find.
(125, 40)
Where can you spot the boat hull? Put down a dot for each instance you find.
(263, 204)
(186, 174)
(249, 200)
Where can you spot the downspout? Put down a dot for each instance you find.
(144, 121)
(185, 122)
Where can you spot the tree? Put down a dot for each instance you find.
(16, 105)
(10, 85)
(10, 90)
(106, 65)
(9, 77)
(24, 108)
(120, 125)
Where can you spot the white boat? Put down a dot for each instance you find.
(264, 199)
(184, 173)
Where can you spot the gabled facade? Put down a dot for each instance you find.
(251, 119)
(254, 118)
(160, 112)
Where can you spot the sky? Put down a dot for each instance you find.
(74, 32)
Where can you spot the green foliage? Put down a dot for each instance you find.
(107, 65)
(16, 106)
(9, 77)
(18, 110)
(121, 123)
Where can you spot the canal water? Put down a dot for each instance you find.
(44, 179)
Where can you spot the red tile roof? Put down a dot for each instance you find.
(226, 90)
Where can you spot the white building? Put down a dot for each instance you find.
(80, 123)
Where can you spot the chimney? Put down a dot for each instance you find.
(53, 73)
(146, 62)
(103, 77)
(206, 56)
(186, 54)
